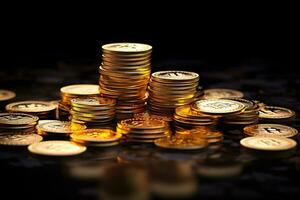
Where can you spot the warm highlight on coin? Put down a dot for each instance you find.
(270, 130)
(19, 139)
(274, 112)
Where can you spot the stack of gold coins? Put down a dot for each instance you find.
(17, 122)
(42, 109)
(169, 89)
(250, 114)
(93, 111)
(75, 91)
(5, 97)
(187, 118)
(144, 130)
(203, 132)
(96, 137)
(56, 128)
(124, 75)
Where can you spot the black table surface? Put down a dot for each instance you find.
(223, 171)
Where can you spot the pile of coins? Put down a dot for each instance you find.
(42, 109)
(93, 111)
(187, 118)
(17, 122)
(96, 137)
(58, 129)
(124, 75)
(170, 89)
(250, 114)
(72, 92)
(144, 130)
(5, 97)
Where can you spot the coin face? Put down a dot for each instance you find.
(273, 112)
(6, 95)
(175, 75)
(60, 127)
(81, 89)
(268, 143)
(94, 101)
(220, 93)
(30, 106)
(181, 143)
(127, 47)
(270, 130)
(143, 123)
(96, 135)
(17, 119)
(56, 148)
(218, 106)
(17, 139)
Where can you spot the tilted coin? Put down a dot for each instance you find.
(30, 106)
(220, 93)
(274, 112)
(6, 95)
(218, 106)
(17, 119)
(271, 130)
(81, 89)
(18, 139)
(268, 143)
(181, 143)
(60, 127)
(96, 135)
(126, 47)
(56, 148)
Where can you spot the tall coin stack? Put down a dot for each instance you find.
(75, 91)
(124, 75)
(169, 89)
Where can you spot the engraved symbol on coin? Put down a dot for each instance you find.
(272, 130)
(270, 142)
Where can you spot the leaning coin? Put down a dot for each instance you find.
(56, 148)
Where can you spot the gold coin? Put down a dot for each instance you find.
(270, 130)
(30, 107)
(143, 123)
(218, 106)
(220, 93)
(18, 139)
(60, 127)
(94, 101)
(268, 143)
(81, 89)
(17, 119)
(6, 95)
(274, 112)
(180, 76)
(125, 47)
(181, 143)
(96, 135)
(56, 148)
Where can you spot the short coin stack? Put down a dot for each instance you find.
(42, 109)
(248, 116)
(93, 111)
(55, 128)
(124, 75)
(96, 137)
(20, 122)
(187, 118)
(5, 97)
(169, 89)
(144, 130)
(75, 91)
(181, 143)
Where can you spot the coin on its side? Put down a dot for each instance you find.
(18, 139)
(268, 143)
(218, 106)
(274, 112)
(270, 129)
(56, 148)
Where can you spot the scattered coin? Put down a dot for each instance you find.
(274, 112)
(271, 130)
(6, 95)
